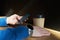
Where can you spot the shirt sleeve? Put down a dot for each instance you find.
(22, 32)
(3, 22)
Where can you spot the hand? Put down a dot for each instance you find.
(13, 19)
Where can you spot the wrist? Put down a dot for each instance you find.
(7, 22)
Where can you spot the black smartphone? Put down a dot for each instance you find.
(24, 17)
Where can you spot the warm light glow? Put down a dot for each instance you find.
(54, 32)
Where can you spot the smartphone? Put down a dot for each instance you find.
(24, 17)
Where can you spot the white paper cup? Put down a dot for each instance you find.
(39, 22)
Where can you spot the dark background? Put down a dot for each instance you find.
(52, 16)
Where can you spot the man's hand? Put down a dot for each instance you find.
(13, 19)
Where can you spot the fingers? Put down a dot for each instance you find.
(14, 19)
(17, 16)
